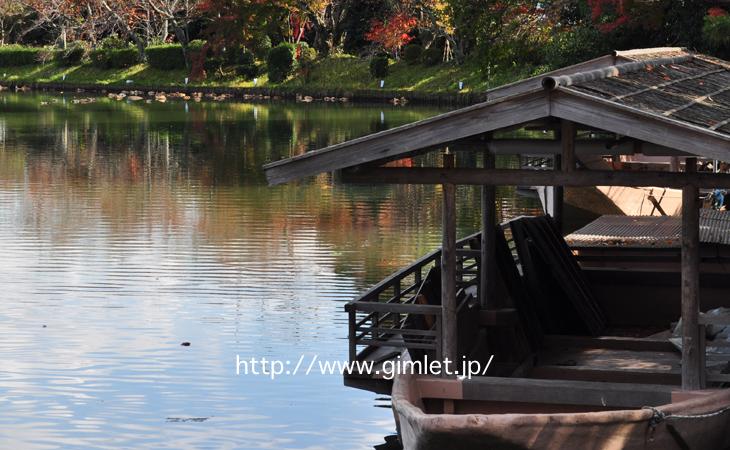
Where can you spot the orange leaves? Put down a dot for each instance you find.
(392, 33)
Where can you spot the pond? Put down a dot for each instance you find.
(129, 229)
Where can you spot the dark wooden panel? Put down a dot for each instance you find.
(566, 392)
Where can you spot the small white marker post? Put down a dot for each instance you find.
(186, 80)
(382, 84)
(461, 85)
(255, 81)
(63, 77)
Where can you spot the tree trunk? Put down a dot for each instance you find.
(63, 37)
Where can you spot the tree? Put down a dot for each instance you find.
(11, 12)
(129, 18)
(61, 16)
(392, 33)
(325, 18)
(234, 23)
(179, 14)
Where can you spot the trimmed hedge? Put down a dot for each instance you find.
(17, 55)
(166, 57)
(72, 55)
(280, 62)
(432, 56)
(412, 54)
(114, 58)
(246, 67)
(379, 66)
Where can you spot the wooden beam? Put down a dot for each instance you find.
(624, 120)
(561, 392)
(588, 373)
(488, 272)
(448, 268)
(527, 177)
(441, 129)
(692, 372)
(535, 147)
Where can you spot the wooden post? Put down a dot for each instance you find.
(567, 138)
(692, 372)
(352, 331)
(448, 267)
(488, 269)
(557, 197)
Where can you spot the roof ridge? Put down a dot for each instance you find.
(552, 82)
(638, 52)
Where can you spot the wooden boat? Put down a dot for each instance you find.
(618, 390)
(495, 413)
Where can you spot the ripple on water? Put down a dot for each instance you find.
(128, 229)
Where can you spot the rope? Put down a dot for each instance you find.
(658, 416)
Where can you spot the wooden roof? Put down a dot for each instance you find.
(666, 96)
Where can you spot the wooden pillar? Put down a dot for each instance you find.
(565, 162)
(488, 270)
(692, 357)
(557, 197)
(448, 268)
(567, 139)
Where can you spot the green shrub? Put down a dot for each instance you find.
(432, 56)
(46, 55)
(716, 31)
(114, 58)
(379, 66)
(196, 45)
(306, 57)
(246, 65)
(280, 62)
(166, 56)
(113, 42)
(412, 54)
(571, 47)
(261, 47)
(305, 54)
(17, 55)
(72, 55)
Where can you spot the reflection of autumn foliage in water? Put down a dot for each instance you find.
(157, 168)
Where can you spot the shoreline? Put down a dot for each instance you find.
(267, 93)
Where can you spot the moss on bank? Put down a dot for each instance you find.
(336, 72)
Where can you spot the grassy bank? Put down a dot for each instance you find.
(337, 72)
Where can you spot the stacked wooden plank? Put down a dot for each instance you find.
(556, 284)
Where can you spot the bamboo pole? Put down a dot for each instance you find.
(448, 266)
(692, 372)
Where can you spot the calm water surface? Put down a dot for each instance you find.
(129, 228)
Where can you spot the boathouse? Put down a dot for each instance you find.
(666, 102)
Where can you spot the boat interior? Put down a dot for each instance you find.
(576, 328)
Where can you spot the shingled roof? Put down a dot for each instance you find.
(668, 97)
(690, 88)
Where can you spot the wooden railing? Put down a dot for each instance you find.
(377, 318)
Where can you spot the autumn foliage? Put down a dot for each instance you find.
(392, 33)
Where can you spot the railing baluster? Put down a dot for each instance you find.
(352, 319)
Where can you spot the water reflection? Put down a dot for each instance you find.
(128, 228)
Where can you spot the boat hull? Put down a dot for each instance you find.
(617, 429)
